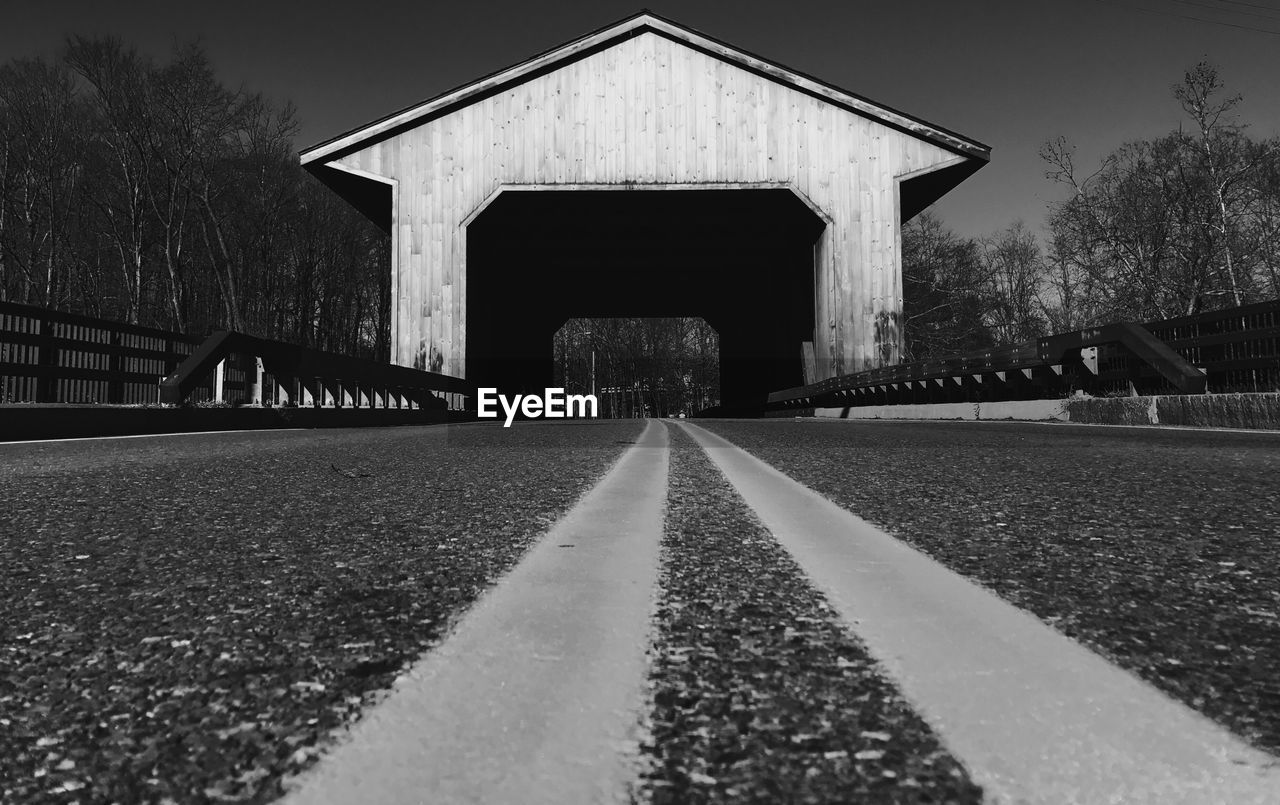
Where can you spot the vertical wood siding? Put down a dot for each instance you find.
(650, 110)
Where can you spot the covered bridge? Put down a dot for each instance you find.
(646, 170)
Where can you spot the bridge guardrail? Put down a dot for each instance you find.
(1237, 349)
(48, 356)
(53, 357)
(305, 376)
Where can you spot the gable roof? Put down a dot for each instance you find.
(643, 22)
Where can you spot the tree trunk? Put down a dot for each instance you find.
(4, 208)
(1226, 244)
(53, 246)
(221, 261)
(175, 289)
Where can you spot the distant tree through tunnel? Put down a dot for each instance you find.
(640, 367)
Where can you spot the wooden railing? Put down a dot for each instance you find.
(50, 357)
(1220, 351)
(1238, 348)
(47, 356)
(308, 377)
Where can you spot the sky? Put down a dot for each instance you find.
(1009, 73)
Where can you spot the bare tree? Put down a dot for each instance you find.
(1118, 227)
(1168, 226)
(1219, 166)
(945, 286)
(43, 130)
(662, 365)
(1015, 269)
(118, 78)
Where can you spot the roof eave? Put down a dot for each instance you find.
(371, 196)
(387, 126)
(917, 192)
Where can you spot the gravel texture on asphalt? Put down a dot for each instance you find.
(759, 693)
(189, 619)
(1159, 549)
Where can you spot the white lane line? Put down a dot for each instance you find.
(1034, 716)
(536, 697)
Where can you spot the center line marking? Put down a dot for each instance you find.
(536, 697)
(1035, 716)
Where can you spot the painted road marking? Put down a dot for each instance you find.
(537, 696)
(1033, 715)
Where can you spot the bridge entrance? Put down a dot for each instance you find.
(742, 259)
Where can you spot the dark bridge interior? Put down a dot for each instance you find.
(741, 259)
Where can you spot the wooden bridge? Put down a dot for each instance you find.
(647, 169)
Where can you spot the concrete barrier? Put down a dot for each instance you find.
(1013, 409)
(1248, 411)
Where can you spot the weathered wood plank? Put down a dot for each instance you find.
(650, 109)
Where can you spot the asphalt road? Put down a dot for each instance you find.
(532, 698)
(190, 618)
(1159, 549)
(186, 617)
(759, 692)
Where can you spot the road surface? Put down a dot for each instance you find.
(636, 611)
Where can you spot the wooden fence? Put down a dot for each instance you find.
(1221, 351)
(50, 357)
(47, 356)
(1238, 348)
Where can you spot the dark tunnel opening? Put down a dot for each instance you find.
(742, 259)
